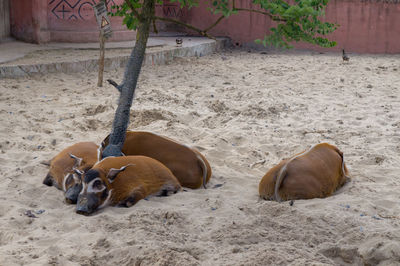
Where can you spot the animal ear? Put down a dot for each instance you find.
(99, 152)
(78, 172)
(105, 142)
(78, 160)
(112, 174)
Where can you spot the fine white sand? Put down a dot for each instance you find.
(244, 111)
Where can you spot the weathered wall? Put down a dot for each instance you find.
(74, 21)
(366, 26)
(4, 19)
(28, 20)
(61, 21)
(21, 20)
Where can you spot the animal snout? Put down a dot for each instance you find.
(82, 210)
(87, 204)
(69, 201)
(71, 196)
(82, 206)
(83, 201)
(48, 180)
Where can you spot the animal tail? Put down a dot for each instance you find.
(280, 177)
(344, 169)
(204, 170)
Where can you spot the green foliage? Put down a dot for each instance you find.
(129, 18)
(185, 3)
(222, 6)
(299, 21)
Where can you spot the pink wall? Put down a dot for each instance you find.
(366, 26)
(61, 21)
(74, 21)
(42, 21)
(27, 20)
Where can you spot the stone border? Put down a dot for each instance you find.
(152, 58)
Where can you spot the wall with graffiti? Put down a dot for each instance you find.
(61, 21)
(69, 15)
(73, 10)
(73, 20)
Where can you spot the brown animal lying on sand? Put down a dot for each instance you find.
(124, 181)
(316, 173)
(188, 165)
(82, 156)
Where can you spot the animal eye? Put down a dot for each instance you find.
(98, 185)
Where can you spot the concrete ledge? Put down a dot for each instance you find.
(162, 55)
(198, 49)
(89, 36)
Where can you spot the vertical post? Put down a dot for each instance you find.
(102, 52)
(101, 59)
(100, 11)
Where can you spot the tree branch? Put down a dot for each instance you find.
(260, 12)
(112, 82)
(204, 32)
(155, 27)
(214, 24)
(201, 32)
(134, 11)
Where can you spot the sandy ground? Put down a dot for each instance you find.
(244, 111)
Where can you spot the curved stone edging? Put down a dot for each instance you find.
(152, 58)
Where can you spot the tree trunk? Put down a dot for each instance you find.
(131, 75)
